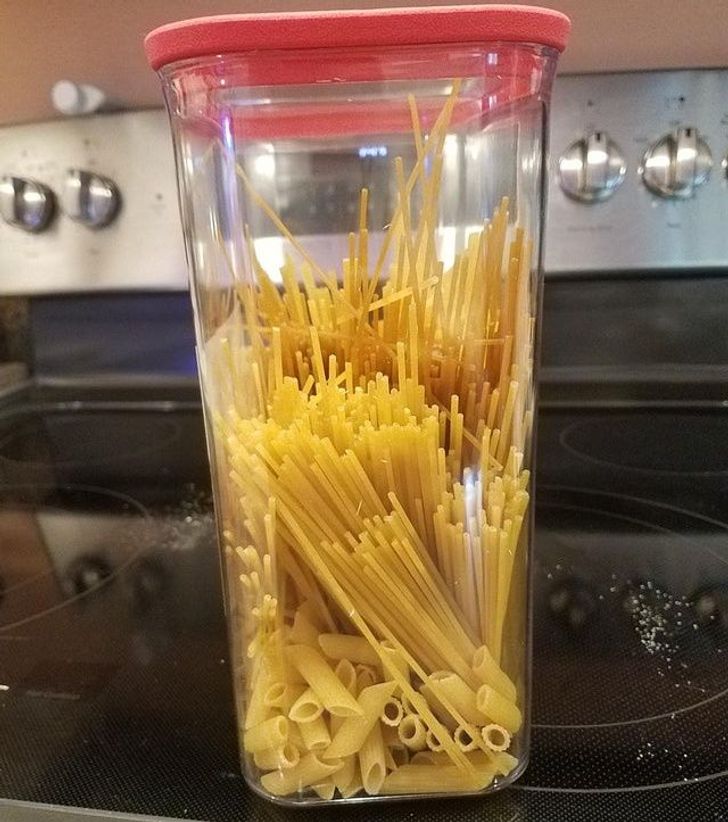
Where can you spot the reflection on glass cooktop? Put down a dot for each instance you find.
(114, 691)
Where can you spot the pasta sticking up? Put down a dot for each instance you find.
(372, 428)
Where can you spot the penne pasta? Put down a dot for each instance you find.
(498, 709)
(412, 732)
(389, 651)
(275, 695)
(271, 758)
(430, 758)
(323, 681)
(371, 761)
(346, 646)
(466, 737)
(307, 708)
(433, 743)
(309, 771)
(504, 763)
(392, 712)
(353, 788)
(346, 673)
(354, 730)
(416, 779)
(496, 737)
(488, 672)
(315, 734)
(257, 711)
(447, 687)
(345, 775)
(273, 733)
(302, 631)
(365, 677)
(324, 790)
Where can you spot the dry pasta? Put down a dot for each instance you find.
(307, 708)
(412, 732)
(373, 427)
(315, 734)
(309, 771)
(345, 646)
(372, 762)
(354, 730)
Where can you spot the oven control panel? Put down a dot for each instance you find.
(89, 204)
(638, 172)
(638, 182)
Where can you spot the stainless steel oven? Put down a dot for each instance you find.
(115, 699)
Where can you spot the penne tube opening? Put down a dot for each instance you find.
(275, 695)
(392, 712)
(307, 708)
(496, 737)
(465, 737)
(412, 732)
(273, 733)
(498, 709)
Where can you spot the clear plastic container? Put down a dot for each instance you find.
(362, 197)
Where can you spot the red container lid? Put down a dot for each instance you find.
(237, 33)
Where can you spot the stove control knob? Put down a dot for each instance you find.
(592, 168)
(89, 198)
(677, 164)
(25, 203)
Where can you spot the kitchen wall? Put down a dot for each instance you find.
(100, 42)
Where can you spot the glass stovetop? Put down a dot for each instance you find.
(114, 690)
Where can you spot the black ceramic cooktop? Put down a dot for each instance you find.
(114, 688)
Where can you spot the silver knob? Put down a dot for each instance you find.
(89, 198)
(677, 164)
(25, 203)
(592, 168)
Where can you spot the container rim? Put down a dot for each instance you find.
(433, 25)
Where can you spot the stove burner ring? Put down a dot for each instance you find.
(128, 561)
(675, 783)
(598, 441)
(670, 714)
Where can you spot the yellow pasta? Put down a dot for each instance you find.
(311, 770)
(504, 763)
(488, 672)
(496, 737)
(447, 685)
(343, 778)
(430, 758)
(353, 788)
(275, 695)
(412, 732)
(354, 730)
(303, 631)
(421, 778)
(466, 737)
(307, 708)
(392, 712)
(389, 652)
(345, 646)
(324, 790)
(371, 761)
(498, 709)
(346, 673)
(315, 734)
(273, 733)
(372, 429)
(432, 742)
(271, 758)
(323, 681)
